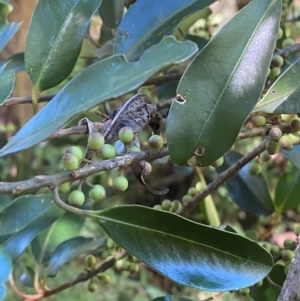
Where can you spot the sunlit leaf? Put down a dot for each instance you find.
(222, 85)
(184, 251)
(7, 81)
(284, 94)
(94, 85)
(146, 23)
(54, 39)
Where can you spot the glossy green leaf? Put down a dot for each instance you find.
(284, 94)
(15, 63)
(23, 219)
(184, 251)
(287, 191)
(246, 190)
(111, 12)
(170, 298)
(94, 85)
(4, 201)
(293, 155)
(146, 23)
(72, 248)
(7, 81)
(54, 39)
(66, 227)
(7, 31)
(222, 85)
(6, 267)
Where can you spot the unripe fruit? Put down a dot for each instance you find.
(280, 33)
(288, 243)
(70, 161)
(287, 256)
(75, 150)
(103, 278)
(275, 250)
(192, 191)
(259, 283)
(277, 61)
(120, 184)
(90, 261)
(272, 147)
(186, 198)
(176, 205)
(126, 134)
(285, 142)
(244, 291)
(218, 162)
(110, 243)
(133, 268)
(264, 157)
(254, 168)
(95, 141)
(295, 125)
(134, 149)
(157, 207)
(156, 142)
(295, 138)
(288, 117)
(97, 193)
(76, 198)
(287, 42)
(166, 205)
(122, 264)
(297, 231)
(259, 121)
(64, 187)
(107, 152)
(199, 186)
(275, 133)
(275, 72)
(92, 286)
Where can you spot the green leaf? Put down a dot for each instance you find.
(222, 85)
(6, 267)
(111, 12)
(15, 63)
(184, 251)
(54, 39)
(7, 81)
(293, 155)
(287, 191)
(66, 227)
(146, 24)
(284, 94)
(170, 298)
(72, 248)
(7, 31)
(4, 201)
(94, 85)
(246, 190)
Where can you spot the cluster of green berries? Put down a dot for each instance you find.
(72, 158)
(130, 265)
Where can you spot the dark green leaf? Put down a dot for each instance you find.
(72, 248)
(4, 201)
(248, 191)
(184, 251)
(284, 94)
(54, 39)
(293, 155)
(94, 85)
(287, 191)
(106, 50)
(63, 229)
(222, 85)
(146, 24)
(7, 81)
(170, 298)
(15, 63)
(6, 266)
(7, 31)
(111, 12)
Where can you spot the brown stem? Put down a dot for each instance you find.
(287, 51)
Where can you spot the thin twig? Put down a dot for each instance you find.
(287, 51)
(221, 178)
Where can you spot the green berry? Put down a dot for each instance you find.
(134, 149)
(272, 147)
(288, 117)
(107, 152)
(288, 243)
(103, 278)
(264, 157)
(133, 268)
(199, 186)
(254, 168)
(156, 142)
(92, 286)
(157, 207)
(166, 205)
(75, 150)
(192, 191)
(186, 198)
(280, 33)
(90, 261)
(287, 42)
(95, 141)
(64, 187)
(275, 72)
(175, 206)
(70, 161)
(122, 264)
(267, 246)
(285, 142)
(76, 198)
(295, 138)
(259, 121)
(286, 269)
(110, 243)
(277, 61)
(275, 133)
(97, 193)
(297, 231)
(218, 162)
(245, 291)
(287, 256)
(126, 134)
(120, 184)
(295, 125)
(275, 250)
(259, 283)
